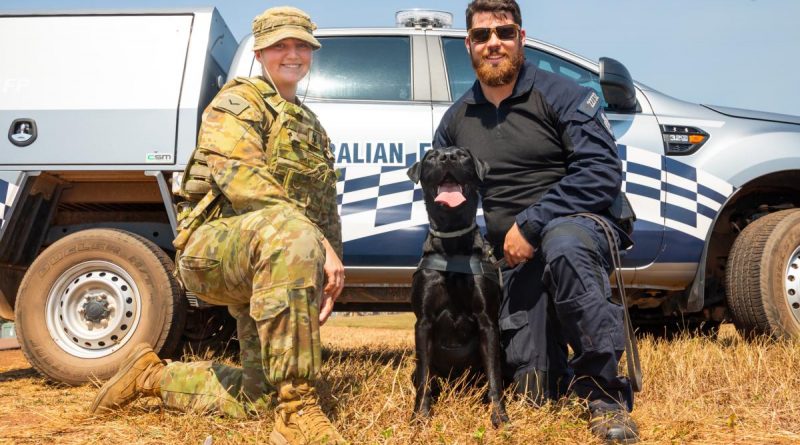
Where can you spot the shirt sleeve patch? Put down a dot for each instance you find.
(606, 123)
(238, 107)
(590, 105)
(232, 104)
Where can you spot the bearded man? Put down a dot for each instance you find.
(552, 157)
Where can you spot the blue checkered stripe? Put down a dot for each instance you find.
(8, 192)
(663, 190)
(375, 199)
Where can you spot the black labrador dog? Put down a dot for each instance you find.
(455, 291)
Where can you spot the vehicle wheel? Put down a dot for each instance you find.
(92, 296)
(763, 276)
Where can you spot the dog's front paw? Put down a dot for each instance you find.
(421, 416)
(499, 417)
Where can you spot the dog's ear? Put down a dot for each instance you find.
(414, 171)
(481, 168)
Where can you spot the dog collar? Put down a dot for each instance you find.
(455, 234)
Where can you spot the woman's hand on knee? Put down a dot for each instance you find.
(334, 282)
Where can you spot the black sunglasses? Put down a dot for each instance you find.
(504, 32)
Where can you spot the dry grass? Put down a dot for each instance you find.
(402, 321)
(697, 390)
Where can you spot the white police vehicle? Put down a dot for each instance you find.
(86, 171)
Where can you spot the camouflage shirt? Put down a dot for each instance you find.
(261, 150)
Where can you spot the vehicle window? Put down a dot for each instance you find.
(560, 66)
(367, 68)
(461, 76)
(459, 69)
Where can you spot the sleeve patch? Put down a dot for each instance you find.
(590, 105)
(232, 104)
(606, 123)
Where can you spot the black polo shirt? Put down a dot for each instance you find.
(549, 147)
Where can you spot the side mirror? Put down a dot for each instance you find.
(617, 86)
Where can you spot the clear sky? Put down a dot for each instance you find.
(740, 53)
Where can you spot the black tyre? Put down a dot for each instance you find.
(210, 332)
(763, 276)
(92, 296)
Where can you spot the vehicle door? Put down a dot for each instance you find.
(638, 136)
(87, 89)
(371, 93)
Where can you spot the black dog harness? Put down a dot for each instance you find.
(454, 234)
(465, 264)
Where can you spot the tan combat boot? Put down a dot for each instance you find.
(139, 375)
(299, 420)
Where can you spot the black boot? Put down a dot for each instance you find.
(612, 423)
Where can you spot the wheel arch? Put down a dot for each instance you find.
(762, 195)
(51, 205)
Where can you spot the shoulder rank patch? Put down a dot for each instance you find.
(232, 104)
(606, 123)
(590, 105)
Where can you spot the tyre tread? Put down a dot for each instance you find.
(746, 277)
(173, 326)
(172, 340)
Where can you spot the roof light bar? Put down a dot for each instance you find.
(423, 18)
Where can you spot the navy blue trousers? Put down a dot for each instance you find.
(563, 297)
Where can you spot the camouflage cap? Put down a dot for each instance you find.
(280, 23)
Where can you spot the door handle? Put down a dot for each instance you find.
(22, 132)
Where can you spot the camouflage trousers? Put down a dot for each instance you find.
(266, 266)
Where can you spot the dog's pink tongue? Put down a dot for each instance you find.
(450, 195)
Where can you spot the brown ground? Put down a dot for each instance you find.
(697, 390)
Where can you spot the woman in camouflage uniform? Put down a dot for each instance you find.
(258, 232)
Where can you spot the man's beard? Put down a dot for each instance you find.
(502, 74)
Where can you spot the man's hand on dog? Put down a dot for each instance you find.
(334, 282)
(516, 249)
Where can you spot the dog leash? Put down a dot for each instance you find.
(631, 346)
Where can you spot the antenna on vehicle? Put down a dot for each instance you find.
(423, 18)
